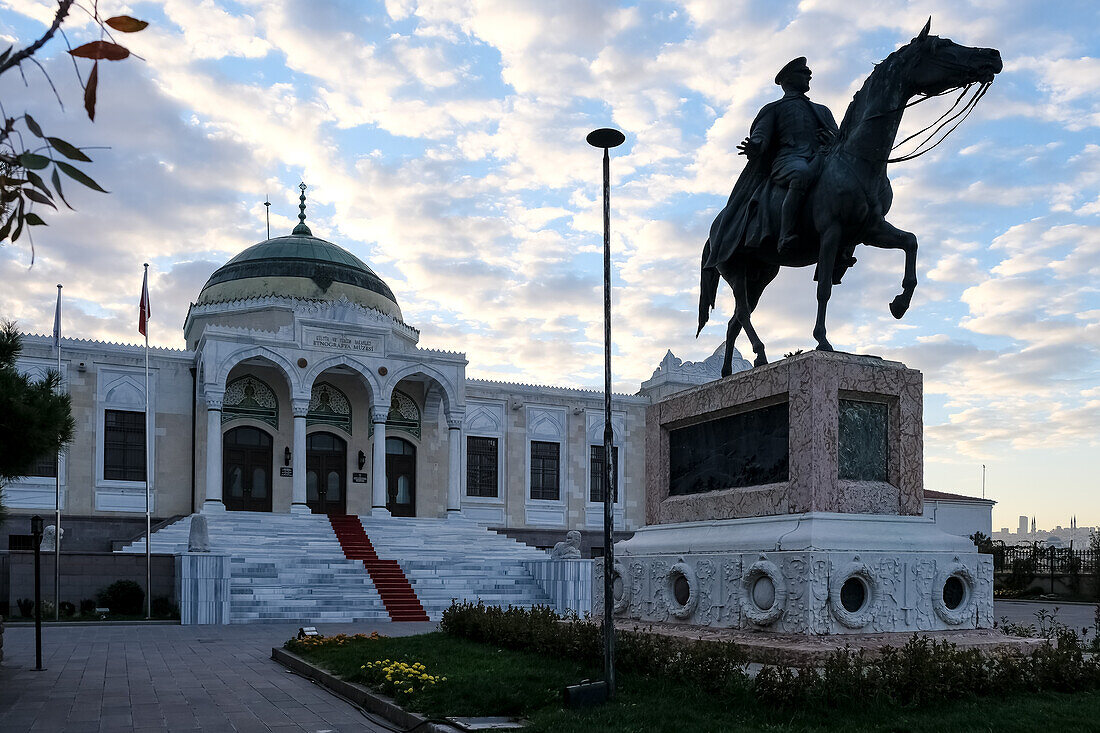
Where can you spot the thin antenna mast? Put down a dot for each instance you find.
(267, 205)
(983, 480)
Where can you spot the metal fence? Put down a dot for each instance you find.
(1035, 560)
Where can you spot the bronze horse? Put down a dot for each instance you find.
(849, 202)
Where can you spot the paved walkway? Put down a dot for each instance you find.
(1074, 615)
(115, 679)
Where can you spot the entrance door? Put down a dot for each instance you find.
(400, 477)
(246, 470)
(326, 473)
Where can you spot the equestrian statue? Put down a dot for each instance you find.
(811, 191)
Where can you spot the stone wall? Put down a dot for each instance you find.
(82, 534)
(84, 574)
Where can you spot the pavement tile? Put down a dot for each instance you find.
(162, 678)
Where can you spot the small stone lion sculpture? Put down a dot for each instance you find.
(49, 538)
(568, 550)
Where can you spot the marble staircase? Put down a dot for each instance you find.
(292, 568)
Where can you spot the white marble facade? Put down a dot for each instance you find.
(282, 350)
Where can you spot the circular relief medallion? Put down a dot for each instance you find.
(763, 593)
(620, 589)
(853, 595)
(683, 593)
(953, 594)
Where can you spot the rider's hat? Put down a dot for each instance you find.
(797, 65)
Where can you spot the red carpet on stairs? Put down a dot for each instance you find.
(397, 595)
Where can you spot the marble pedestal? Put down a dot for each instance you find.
(813, 573)
(787, 498)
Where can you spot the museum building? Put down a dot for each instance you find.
(303, 390)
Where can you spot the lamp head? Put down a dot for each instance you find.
(605, 137)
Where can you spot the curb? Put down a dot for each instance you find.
(359, 695)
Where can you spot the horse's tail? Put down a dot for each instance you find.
(708, 288)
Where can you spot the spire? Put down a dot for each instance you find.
(302, 228)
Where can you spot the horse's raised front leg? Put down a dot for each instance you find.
(830, 246)
(887, 236)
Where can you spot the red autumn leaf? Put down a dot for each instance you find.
(101, 50)
(126, 24)
(89, 91)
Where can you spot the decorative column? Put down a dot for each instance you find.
(299, 406)
(454, 470)
(378, 417)
(213, 501)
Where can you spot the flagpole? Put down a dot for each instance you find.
(148, 453)
(57, 482)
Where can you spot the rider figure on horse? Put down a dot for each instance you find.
(791, 131)
(784, 148)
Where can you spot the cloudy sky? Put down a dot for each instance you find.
(443, 143)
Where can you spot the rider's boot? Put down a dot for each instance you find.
(788, 219)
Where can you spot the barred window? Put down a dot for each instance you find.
(45, 466)
(481, 466)
(545, 470)
(596, 468)
(123, 445)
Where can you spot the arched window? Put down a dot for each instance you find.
(249, 396)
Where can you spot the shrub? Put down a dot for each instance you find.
(26, 607)
(87, 607)
(711, 665)
(68, 610)
(123, 597)
(163, 608)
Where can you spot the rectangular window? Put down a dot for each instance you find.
(596, 467)
(481, 466)
(123, 445)
(45, 466)
(545, 470)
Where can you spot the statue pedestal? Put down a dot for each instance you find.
(818, 432)
(787, 498)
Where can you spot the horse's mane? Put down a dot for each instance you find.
(870, 90)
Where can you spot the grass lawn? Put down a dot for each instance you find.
(484, 680)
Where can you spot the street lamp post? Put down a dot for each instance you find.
(607, 138)
(36, 533)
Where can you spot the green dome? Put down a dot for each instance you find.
(299, 265)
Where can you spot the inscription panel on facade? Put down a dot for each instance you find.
(334, 341)
(746, 449)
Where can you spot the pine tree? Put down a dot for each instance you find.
(36, 418)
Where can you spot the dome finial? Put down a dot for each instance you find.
(302, 228)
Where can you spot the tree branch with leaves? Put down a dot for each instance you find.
(26, 152)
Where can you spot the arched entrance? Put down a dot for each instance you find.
(400, 477)
(326, 473)
(246, 470)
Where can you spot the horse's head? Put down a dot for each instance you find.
(936, 64)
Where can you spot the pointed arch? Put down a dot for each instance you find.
(448, 391)
(226, 365)
(320, 367)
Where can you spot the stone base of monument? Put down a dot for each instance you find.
(813, 573)
(788, 498)
(802, 649)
